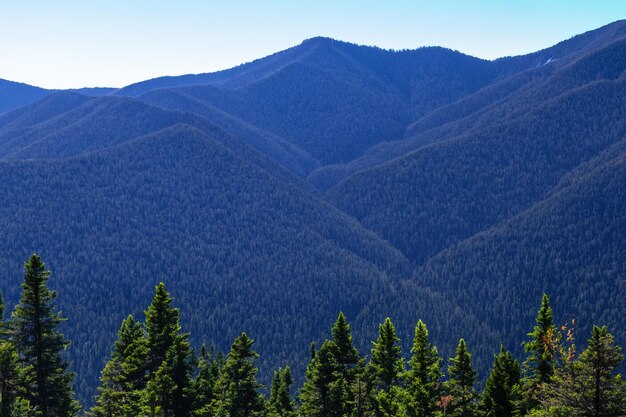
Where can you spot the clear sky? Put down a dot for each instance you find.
(76, 43)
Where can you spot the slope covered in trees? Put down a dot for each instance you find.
(237, 244)
(14, 95)
(451, 190)
(570, 245)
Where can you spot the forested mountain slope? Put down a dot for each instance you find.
(496, 103)
(570, 245)
(240, 249)
(14, 95)
(448, 191)
(68, 124)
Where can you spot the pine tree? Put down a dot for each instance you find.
(321, 394)
(542, 348)
(169, 353)
(162, 327)
(589, 386)
(346, 354)
(501, 394)
(386, 368)
(461, 383)
(39, 344)
(283, 401)
(387, 363)
(204, 385)
(280, 397)
(157, 397)
(422, 379)
(180, 358)
(276, 381)
(124, 376)
(237, 385)
(10, 376)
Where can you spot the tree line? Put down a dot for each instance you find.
(153, 371)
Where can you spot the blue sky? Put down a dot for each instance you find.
(72, 43)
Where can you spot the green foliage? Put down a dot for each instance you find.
(423, 377)
(322, 392)
(280, 403)
(386, 362)
(461, 385)
(543, 350)
(205, 394)
(502, 387)
(34, 332)
(237, 384)
(589, 386)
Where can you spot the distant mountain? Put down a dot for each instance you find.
(68, 124)
(332, 99)
(570, 245)
(14, 95)
(429, 199)
(235, 244)
(500, 100)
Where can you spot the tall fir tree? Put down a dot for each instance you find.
(169, 353)
(502, 387)
(124, 376)
(280, 401)
(423, 377)
(346, 354)
(461, 383)
(589, 386)
(386, 361)
(238, 385)
(162, 327)
(322, 392)
(386, 368)
(34, 331)
(543, 345)
(205, 395)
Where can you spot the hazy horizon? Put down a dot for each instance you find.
(72, 45)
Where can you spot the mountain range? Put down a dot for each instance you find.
(425, 184)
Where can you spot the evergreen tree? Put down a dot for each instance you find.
(162, 327)
(237, 385)
(589, 386)
(598, 363)
(276, 381)
(349, 360)
(284, 402)
(180, 358)
(10, 377)
(422, 379)
(47, 383)
(387, 363)
(542, 351)
(204, 385)
(322, 392)
(346, 354)
(501, 394)
(461, 383)
(123, 377)
(169, 353)
(280, 396)
(386, 368)
(157, 397)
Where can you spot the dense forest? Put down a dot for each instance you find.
(154, 371)
(417, 184)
